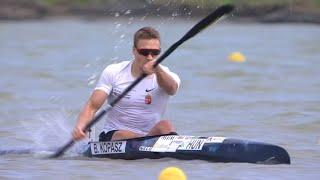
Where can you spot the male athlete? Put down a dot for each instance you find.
(139, 113)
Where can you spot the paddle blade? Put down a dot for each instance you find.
(211, 18)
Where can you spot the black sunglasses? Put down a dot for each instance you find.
(146, 52)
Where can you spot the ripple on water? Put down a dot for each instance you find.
(42, 75)
(7, 96)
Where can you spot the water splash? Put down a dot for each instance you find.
(122, 36)
(149, 1)
(130, 20)
(46, 134)
(92, 79)
(128, 12)
(118, 25)
(143, 17)
(117, 14)
(87, 65)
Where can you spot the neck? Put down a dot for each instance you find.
(136, 69)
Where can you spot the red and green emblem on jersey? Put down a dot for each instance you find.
(148, 99)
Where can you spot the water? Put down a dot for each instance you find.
(49, 68)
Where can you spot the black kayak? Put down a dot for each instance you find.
(214, 149)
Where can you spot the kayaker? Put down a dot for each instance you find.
(139, 113)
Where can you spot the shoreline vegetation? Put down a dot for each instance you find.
(268, 11)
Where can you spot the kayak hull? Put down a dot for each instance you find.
(214, 149)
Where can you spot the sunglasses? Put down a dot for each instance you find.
(146, 52)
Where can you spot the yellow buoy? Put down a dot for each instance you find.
(172, 173)
(237, 57)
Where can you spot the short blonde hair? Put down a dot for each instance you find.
(145, 33)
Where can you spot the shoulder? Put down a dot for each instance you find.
(172, 74)
(116, 67)
(166, 69)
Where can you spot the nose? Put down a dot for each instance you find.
(149, 56)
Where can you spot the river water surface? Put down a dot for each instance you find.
(49, 68)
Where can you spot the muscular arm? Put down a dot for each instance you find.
(165, 81)
(94, 103)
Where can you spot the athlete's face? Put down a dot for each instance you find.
(146, 50)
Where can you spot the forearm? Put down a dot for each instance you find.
(85, 116)
(92, 106)
(165, 81)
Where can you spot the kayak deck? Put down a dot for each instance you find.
(215, 149)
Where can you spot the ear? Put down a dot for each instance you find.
(133, 49)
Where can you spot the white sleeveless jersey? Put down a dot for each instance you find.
(142, 107)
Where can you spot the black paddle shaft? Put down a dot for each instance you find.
(211, 18)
